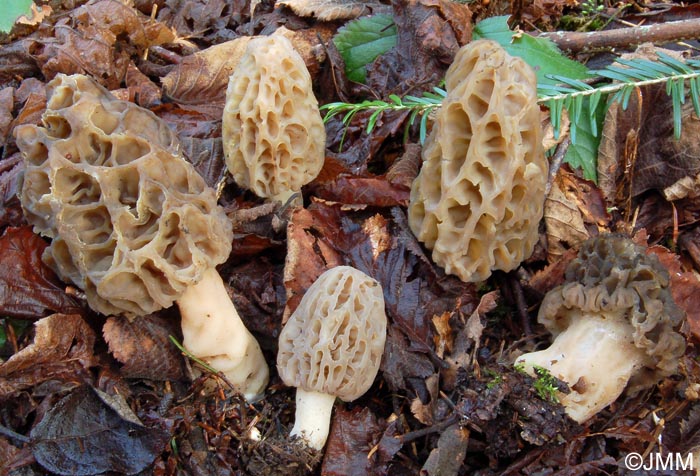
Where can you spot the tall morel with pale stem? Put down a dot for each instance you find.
(132, 223)
(478, 199)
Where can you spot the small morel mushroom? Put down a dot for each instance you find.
(479, 196)
(331, 347)
(614, 324)
(132, 223)
(273, 133)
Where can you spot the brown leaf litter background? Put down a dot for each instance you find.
(447, 399)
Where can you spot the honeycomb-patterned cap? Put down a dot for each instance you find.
(615, 277)
(133, 224)
(333, 342)
(273, 133)
(479, 196)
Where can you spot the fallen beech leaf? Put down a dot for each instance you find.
(444, 338)
(329, 10)
(97, 56)
(32, 93)
(7, 100)
(36, 15)
(142, 90)
(10, 208)
(373, 191)
(427, 413)
(62, 350)
(429, 34)
(447, 458)
(563, 221)
(353, 433)
(28, 288)
(89, 432)
(202, 77)
(144, 348)
(193, 18)
(122, 19)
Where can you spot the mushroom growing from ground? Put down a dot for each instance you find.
(478, 199)
(614, 324)
(332, 346)
(132, 223)
(273, 133)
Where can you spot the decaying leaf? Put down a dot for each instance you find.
(89, 432)
(202, 77)
(329, 10)
(28, 288)
(62, 350)
(429, 34)
(447, 458)
(353, 434)
(564, 221)
(144, 348)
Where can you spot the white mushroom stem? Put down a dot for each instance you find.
(313, 417)
(213, 331)
(595, 356)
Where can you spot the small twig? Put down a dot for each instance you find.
(576, 42)
(14, 435)
(556, 162)
(414, 435)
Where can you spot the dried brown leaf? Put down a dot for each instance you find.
(447, 458)
(563, 221)
(329, 10)
(202, 77)
(62, 350)
(11, 170)
(7, 103)
(352, 435)
(142, 90)
(121, 19)
(28, 288)
(444, 339)
(144, 348)
(83, 52)
(429, 34)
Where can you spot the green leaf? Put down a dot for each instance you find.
(361, 41)
(540, 53)
(3, 335)
(583, 153)
(11, 10)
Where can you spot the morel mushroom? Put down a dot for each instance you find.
(132, 223)
(614, 324)
(331, 347)
(479, 196)
(274, 138)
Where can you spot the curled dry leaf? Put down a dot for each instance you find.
(142, 90)
(62, 350)
(329, 10)
(429, 34)
(353, 436)
(7, 102)
(144, 348)
(90, 432)
(202, 77)
(563, 220)
(28, 288)
(574, 210)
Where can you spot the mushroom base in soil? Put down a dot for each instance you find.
(213, 331)
(313, 417)
(615, 326)
(595, 357)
